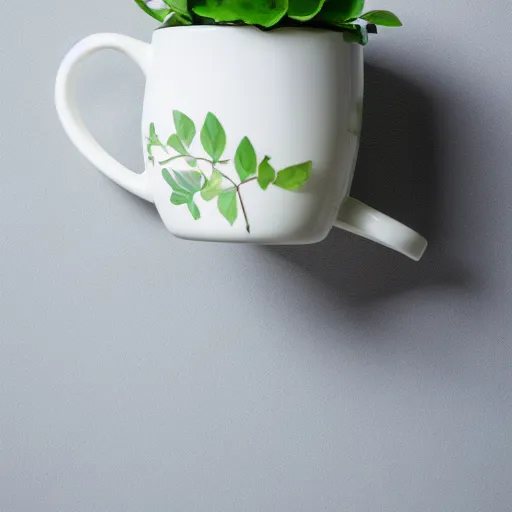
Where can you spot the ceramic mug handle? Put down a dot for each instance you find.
(68, 113)
(367, 222)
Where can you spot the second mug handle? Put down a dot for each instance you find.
(367, 222)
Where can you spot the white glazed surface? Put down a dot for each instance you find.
(297, 94)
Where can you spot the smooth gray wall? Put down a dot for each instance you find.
(143, 373)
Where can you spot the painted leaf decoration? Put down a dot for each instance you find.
(228, 206)
(266, 173)
(176, 144)
(213, 137)
(185, 127)
(294, 177)
(265, 13)
(245, 159)
(338, 11)
(194, 210)
(184, 185)
(304, 10)
(169, 179)
(212, 187)
(153, 139)
(155, 8)
(383, 18)
(189, 180)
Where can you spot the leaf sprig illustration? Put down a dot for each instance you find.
(339, 15)
(186, 184)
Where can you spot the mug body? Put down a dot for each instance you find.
(251, 136)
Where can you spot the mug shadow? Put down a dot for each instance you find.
(399, 173)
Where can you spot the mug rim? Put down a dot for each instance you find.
(217, 27)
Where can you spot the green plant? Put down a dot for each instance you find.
(214, 183)
(340, 15)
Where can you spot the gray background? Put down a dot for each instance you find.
(139, 372)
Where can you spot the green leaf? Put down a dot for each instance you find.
(304, 10)
(191, 181)
(265, 13)
(184, 185)
(176, 20)
(194, 210)
(158, 14)
(180, 197)
(191, 161)
(383, 18)
(213, 137)
(153, 139)
(170, 180)
(178, 6)
(185, 127)
(294, 177)
(176, 144)
(338, 11)
(354, 33)
(266, 173)
(212, 187)
(245, 159)
(228, 206)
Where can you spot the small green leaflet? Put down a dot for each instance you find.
(266, 173)
(184, 185)
(228, 205)
(265, 13)
(383, 18)
(294, 177)
(194, 210)
(338, 11)
(158, 14)
(245, 159)
(178, 6)
(185, 127)
(212, 187)
(304, 10)
(213, 137)
(355, 34)
(153, 139)
(176, 144)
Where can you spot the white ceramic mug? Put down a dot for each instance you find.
(249, 136)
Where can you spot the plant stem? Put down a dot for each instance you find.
(247, 226)
(169, 160)
(212, 163)
(248, 181)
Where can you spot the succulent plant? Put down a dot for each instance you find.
(339, 15)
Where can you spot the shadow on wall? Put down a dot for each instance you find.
(398, 172)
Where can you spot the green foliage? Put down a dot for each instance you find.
(245, 159)
(384, 18)
(338, 15)
(212, 187)
(186, 185)
(213, 137)
(294, 177)
(265, 13)
(228, 206)
(185, 127)
(266, 173)
(304, 10)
